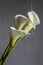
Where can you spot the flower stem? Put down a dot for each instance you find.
(8, 51)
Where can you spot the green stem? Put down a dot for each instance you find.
(8, 51)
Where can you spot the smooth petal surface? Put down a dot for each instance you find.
(15, 34)
(34, 21)
(29, 27)
(20, 21)
(34, 18)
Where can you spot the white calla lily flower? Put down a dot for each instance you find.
(20, 20)
(16, 34)
(34, 18)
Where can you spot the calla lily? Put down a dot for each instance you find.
(15, 34)
(22, 28)
(20, 21)
(34, 21)
(34, 18)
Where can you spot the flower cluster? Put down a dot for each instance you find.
(24, 25)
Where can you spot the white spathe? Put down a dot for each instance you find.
(34, 18)
(18, 32)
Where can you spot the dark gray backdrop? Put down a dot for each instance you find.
(29, 51)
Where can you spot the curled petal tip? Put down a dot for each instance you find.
(34, 18)
(19, 16)
(12, 28)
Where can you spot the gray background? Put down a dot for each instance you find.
(29, 51)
